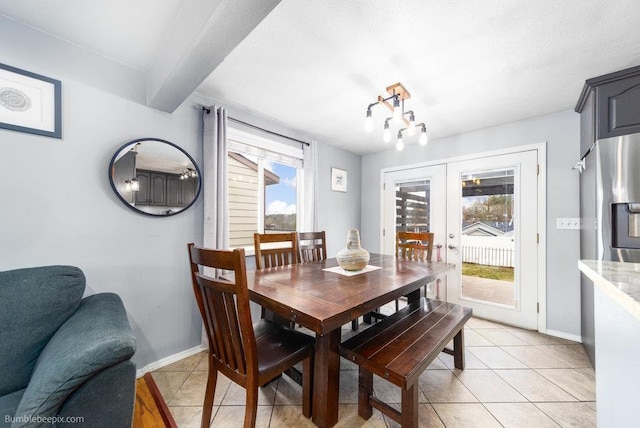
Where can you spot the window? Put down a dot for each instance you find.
(265, 187)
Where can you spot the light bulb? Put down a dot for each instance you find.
(397, 113)
(135, 184)
(411, 130)
(386, 136)
(127, 186)
(368, 122)
(423, 137)
(399, 143)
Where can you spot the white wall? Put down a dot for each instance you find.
(338, 211)
(561, 131)
(39, 52)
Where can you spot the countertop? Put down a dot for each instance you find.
(620, 280)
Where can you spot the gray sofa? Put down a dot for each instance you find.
(64, 360)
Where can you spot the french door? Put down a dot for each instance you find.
(484, 213)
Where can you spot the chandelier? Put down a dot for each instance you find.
(188, 173)
(132, 185)
(399, 116)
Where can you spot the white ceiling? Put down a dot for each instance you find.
(316, 65)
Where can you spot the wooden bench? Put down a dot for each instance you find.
(400, 347)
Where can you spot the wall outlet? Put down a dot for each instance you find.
(568, 223)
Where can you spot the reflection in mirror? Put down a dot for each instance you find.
(154, 177)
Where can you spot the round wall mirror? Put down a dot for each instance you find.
(154, 177)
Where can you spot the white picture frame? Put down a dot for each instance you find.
(338, 180)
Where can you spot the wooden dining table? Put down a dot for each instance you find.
(323, 301)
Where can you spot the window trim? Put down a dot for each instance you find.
(237, 137)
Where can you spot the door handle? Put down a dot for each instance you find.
(453, 248)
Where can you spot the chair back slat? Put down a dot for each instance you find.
(416, 246)
(236, 351)
(224, 306)
(312, 246)
(275, 256)
(217, 313)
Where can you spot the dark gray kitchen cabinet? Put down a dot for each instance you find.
(143, 194)
(122, 172)
(619, 102)
(153, 188)
(174, 191)
(165, 189)
(189, 188)
(609, 106)
(158, 189)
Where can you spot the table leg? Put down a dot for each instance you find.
(414, 296)
(326, 379)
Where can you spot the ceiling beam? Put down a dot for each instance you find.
(201, 37)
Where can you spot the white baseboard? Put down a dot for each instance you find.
(169, 360)
(572, 337)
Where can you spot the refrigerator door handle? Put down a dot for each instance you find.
(634, 207)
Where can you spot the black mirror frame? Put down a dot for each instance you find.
(139, 140)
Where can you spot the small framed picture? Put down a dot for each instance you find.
(338, 180)
(30, 102)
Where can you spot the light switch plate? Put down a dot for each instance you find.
(568, 223)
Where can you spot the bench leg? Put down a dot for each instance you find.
(410, 407)
(354, 324)
(458, 350)
(365, 389)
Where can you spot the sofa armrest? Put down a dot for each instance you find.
(96, 336)
(117, 384)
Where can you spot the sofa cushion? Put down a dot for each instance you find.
(35, 303)
(95, 337)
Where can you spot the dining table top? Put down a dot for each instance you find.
(322, 297)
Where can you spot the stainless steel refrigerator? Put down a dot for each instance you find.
(610, 213)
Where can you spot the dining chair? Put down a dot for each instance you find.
(250, 355)
(273, 250)
(312, 246)
(416, 246)
(271, 253)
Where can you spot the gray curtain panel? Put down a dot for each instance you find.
(214, 165)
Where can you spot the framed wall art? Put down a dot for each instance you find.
(30, 102)
(338, 180)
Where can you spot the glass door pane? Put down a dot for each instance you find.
(412, 206)
(487, 236)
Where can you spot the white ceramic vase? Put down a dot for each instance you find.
(354, 257)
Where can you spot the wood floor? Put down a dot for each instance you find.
(150, 409)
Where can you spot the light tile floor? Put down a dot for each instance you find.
(513, 378)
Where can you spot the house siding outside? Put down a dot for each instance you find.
(243, 203)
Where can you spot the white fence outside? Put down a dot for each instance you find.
(488, 250)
